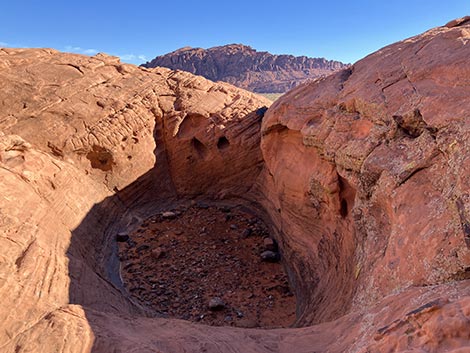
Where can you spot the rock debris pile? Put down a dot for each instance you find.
(212, 264)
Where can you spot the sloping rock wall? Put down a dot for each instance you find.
(368, 170)
(88, 147)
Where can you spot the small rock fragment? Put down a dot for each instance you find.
(122, 237)
(270, 244)
(168, 215)
(216, 304)
(270, 256)
(158, 253)
(224, 209)
(246, 233)
(131, 243)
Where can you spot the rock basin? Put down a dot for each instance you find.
(361, 178)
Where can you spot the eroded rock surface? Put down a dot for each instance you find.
(108, 117)
(83, 141)
(363, 178)
(247, 68)
(368, 169)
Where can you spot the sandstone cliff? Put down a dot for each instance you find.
(362, 175)
(368, 170)
(247, 68)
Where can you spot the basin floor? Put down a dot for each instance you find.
(203, 263)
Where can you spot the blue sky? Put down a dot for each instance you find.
(138, 31)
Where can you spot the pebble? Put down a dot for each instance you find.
(224, 209)
(246, 233)
(216, 304)
(168, 215)
(270, 244)
(122, 237)
(270, 256)
(158, 253)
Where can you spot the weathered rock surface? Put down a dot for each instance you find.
(83, 140)
(247, 68)
(364, 175)
(368, 169)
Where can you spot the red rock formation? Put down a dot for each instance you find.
(247, 68)
(85, 144)
(367, 168)
(363, 175)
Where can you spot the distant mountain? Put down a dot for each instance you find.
(247, 68)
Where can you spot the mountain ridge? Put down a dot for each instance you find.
(245, 67)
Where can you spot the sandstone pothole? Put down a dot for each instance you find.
(205, 263)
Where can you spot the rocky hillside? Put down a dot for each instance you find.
(247, 68)
(361, 179)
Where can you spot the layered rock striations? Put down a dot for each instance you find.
(88, 147)
(367, 169)
(362, 176)
(247, 68)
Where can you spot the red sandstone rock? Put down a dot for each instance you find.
(368, 168)
(364, 175)
(247, 68)
(74, 133)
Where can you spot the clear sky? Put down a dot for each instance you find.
(140, 30)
